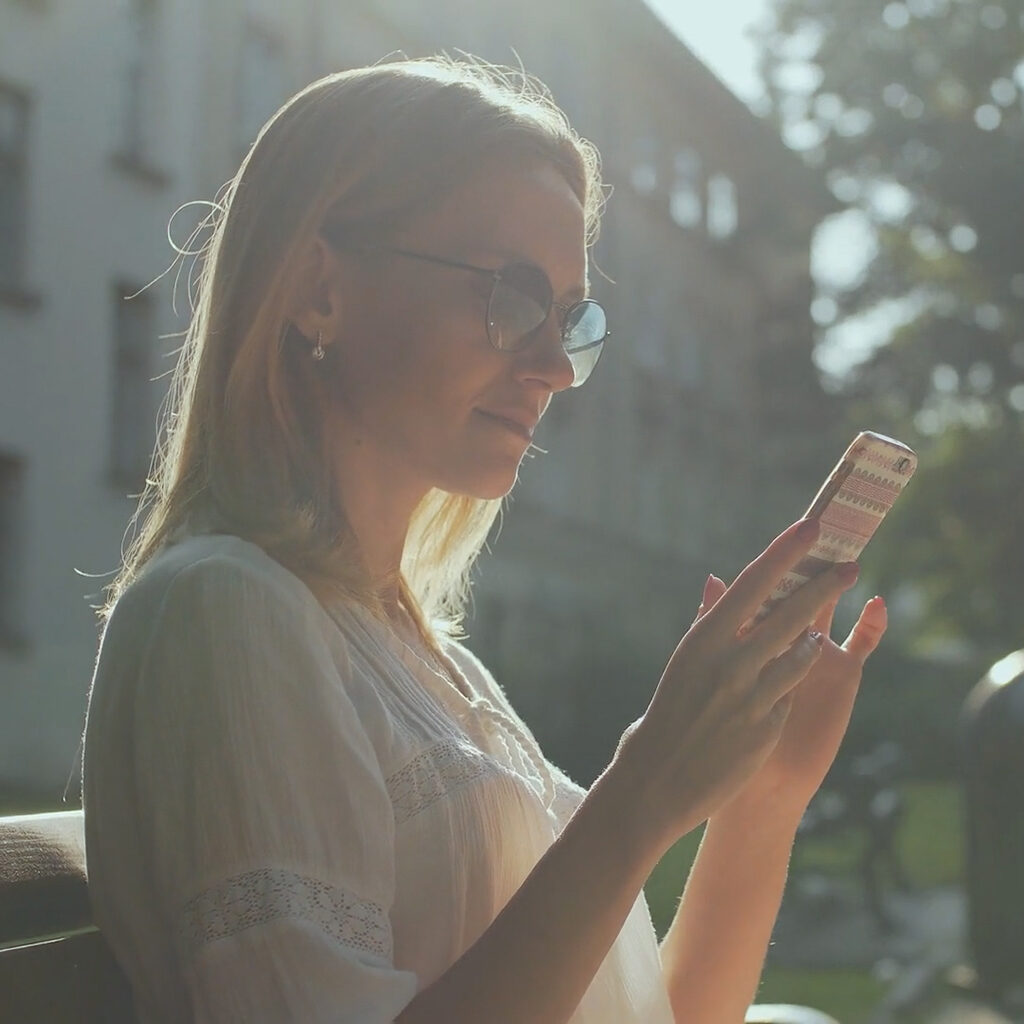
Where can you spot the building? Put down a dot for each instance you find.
(114, 114)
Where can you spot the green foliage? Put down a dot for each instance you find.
(930, 844)
(665, 884)
(847, 995)
(958, 537)
(913, 111)
(915, 702)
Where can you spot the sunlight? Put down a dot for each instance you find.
(719, 36)
(1008, 669)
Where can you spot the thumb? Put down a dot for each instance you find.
(868, 630)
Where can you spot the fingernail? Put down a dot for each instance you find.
(807, 529)
(847, 571)
(707, 588)
(879, 599)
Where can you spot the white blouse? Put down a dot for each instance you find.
(292, 817)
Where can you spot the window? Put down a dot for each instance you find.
(685, 203)
(138, 115)
(722, 212)
(134, 404)
(13, 184)
(12, 546)
(262, 82)
(643, 170)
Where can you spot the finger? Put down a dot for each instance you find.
(823, 623)
(713, 591)
(868, 630)
(802, 608)
(781, 708)
(783, 673)
(714, 588)
(755, 584)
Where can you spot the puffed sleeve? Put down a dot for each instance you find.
(268, 826)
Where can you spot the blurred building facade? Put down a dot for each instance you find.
(690, 446)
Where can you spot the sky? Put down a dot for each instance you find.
(719, 36)
(716, 33)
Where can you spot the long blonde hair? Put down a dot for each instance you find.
(359, 152)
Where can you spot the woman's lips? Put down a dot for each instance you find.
(517, 427)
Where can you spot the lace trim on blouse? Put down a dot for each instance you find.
(433, 774)
(273, 894)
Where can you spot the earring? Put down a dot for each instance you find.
(318, 349)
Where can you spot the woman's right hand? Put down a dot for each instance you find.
(724, 696)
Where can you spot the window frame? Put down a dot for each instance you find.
(13, 541)
(16, 161)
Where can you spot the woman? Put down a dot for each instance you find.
(305, 801)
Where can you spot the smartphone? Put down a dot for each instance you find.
(850, 505)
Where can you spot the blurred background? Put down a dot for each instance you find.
(817, 226)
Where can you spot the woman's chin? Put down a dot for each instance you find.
(487, 486)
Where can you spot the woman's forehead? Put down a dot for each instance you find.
(502, 204)
(506, 214)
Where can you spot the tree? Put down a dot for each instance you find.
(913, 109)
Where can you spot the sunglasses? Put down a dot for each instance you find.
(520, 303)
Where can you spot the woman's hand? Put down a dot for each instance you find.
(820, 711)
(724, 698)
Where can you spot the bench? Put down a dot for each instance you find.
(56, 968)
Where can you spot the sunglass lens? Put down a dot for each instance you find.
(586, 327)
(520, 303)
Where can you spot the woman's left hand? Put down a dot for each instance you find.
(820, 712)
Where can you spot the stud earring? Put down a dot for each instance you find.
(318, 349)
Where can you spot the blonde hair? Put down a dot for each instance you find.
(357, 152)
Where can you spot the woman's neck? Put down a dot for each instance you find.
(378, 502)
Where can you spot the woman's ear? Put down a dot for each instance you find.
(318, 302)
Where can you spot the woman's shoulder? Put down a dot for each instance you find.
(218, 579)
(214, 559)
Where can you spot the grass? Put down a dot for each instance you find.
(848, 995)
(665, 885)
(930, 847)
(929, 842)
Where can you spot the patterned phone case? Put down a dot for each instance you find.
(852, 502)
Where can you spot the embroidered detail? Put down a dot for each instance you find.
(438, 771)
(568, 797)
(271, 894)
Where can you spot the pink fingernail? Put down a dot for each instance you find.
(847, 571)
(807, 529)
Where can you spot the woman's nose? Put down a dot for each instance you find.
(544, 359)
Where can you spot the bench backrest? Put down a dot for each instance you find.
(55, 967)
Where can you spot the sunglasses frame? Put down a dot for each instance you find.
(496, 277)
